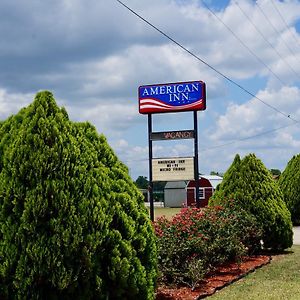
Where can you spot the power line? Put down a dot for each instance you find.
(229, 143)
(285, 23)
(276, 31)
(296, 122)
(266, 40)
(226, 144)
(243, 44)
(249, 137)
(207, 64)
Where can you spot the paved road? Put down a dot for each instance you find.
(297, 235)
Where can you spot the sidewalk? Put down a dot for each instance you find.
(296, 235)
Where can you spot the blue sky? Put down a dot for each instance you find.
(93, 55)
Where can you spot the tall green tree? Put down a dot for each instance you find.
(72, 223)
(289, 183)
(228, 183)
(142, 182)
(251, 186)
(216, 173)
(275, 172)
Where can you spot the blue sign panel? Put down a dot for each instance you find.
(172, 97)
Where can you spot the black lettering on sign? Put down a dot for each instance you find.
(173, 135)
(178, 169)
(165, 169)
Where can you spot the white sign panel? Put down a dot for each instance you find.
(173, 169)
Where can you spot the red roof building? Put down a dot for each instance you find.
(183, 193)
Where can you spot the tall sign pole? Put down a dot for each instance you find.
(150, 186)
(165, 98)
(196, 161)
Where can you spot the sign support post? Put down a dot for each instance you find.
(150, 186)
(172, 97)
(196, 161)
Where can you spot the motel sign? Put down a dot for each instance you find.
(172, 97)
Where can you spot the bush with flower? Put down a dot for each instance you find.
(195, 241)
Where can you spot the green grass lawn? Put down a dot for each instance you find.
(280, 280)
(165, 211)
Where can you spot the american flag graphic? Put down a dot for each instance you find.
(172, 97)
(150, 105)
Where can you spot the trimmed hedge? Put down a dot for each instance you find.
(72, 223)
(252, 187)
(289, 183)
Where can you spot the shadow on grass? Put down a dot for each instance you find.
(271, 252)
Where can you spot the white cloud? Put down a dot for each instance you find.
(10, 103)
(253, 117)
(109, 118)
(121, 74)
(235, 59)
(84, 59)
(94, 56)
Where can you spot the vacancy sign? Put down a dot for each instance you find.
(172, 97)
(173, 169)
(172, 135)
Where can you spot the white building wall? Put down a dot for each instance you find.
(175, 197)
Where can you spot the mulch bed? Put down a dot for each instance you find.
(222, 277)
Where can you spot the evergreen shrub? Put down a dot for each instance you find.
(72, 223)
(252, 187)
(289, 183)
